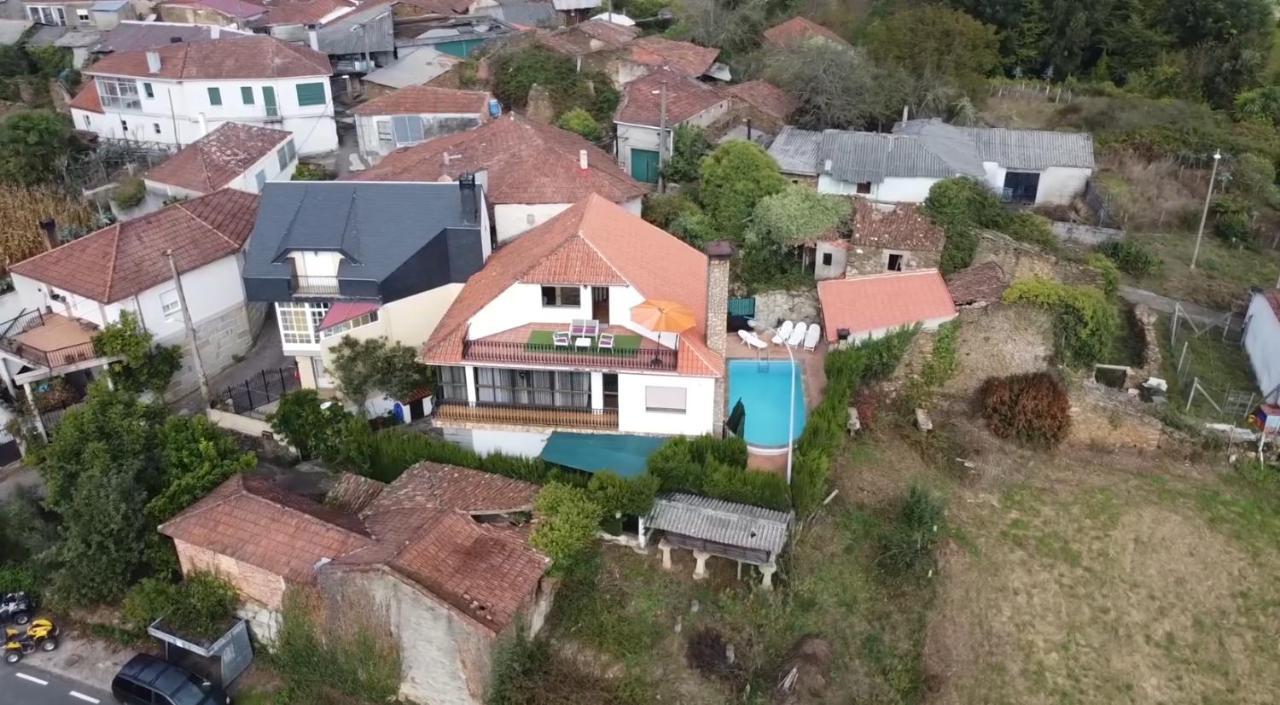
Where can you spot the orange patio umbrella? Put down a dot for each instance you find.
(663, 316)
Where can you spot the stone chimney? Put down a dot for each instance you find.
(719, 253)
(153, 62)
(582, 159)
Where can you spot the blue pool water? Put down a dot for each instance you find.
(763, 387)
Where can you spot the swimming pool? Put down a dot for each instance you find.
(763, 387)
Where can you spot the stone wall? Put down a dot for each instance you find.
(253, 583)
(1152, 357)
(798, 305)
(1104, 417)
(875, 260)
(221, 339)
(1022, 261)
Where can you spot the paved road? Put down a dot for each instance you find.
(1164, 304)
(24, 684)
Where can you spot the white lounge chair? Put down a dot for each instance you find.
(811, 337)
(752, 339)
(560, 339)
(797, 335)
(784, 332)
(605, 342)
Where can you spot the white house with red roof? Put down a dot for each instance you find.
(545, 337)
(235, 155)
(868, 307)
(71, 292)
(178, 93)
(664, 99)
(414, 114)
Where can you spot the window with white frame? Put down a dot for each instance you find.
(299, 321)
(666, 399)
(408, 129)
(290, 151)
(119, 93)
(362, 320)
(83, 15)
(170, 304)
(47, 14)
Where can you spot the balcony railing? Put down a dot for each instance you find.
(513, 352)
(11, 341)
(314, 286)
(520, 415)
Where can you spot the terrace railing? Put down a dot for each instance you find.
(314, 286)
(522, 415)
(51, 359)
(515, 353)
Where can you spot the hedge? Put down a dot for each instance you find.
(1084, 320)
(716, 467)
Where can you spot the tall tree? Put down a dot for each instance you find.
(734, 178)
(34, 145)
(960, 49)
(836, 87)
(363, 367)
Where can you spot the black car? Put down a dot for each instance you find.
(147, 680)
(16, 607)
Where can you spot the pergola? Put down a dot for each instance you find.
(713, 527)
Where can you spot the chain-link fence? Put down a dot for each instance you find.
(1212, 377)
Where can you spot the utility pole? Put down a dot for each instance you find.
(662, 135)
(1204, 213)
(191, 331)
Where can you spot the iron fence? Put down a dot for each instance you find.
(260, 389)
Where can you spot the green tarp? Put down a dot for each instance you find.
(594, 452)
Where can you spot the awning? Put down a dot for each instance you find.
(343, 311)
(594, 452)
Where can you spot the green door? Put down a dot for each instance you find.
(644, 165)
(269, 100)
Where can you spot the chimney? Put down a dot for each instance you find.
(50, 228)
(153, 62)
(215, 32)
(718, 255)
(470, 202)
(313, 40)
(582, 159)
(204, 125)
(905, 111)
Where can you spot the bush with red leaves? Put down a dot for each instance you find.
(1032, 408)
(867, 402)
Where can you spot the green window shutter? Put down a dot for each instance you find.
(246, 95)
(215, 96)
(310, 94)
(146, 88)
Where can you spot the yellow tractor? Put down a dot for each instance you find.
(40, 634)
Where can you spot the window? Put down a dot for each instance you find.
(215, 95)
(863, 187)
(533, 388)
(260, 179)
(44, 14)
(345, 326)
(298, 322)
(246, 95)
(895, 263)
(60, 298)
(408, 129)
(561, 296)
(124, 125)
(119, 93)
(87, 122)
(148, 90)
(83, 15)
(453, 383)
(826, 259)
(666, 399)
(170, 305)
(291, 150)
(310, 94)
(384, 131)
(282, 157)
(156, 127)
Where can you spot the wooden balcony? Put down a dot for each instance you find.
(516, 415)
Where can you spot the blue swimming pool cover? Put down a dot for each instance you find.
(625, 455)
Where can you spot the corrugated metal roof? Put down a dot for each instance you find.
(1015, 149)
(724, 522)
(413, 69)
(796, 151)
(358, 31)
(871, 156)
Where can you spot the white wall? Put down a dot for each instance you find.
(893, 189)
(512, 219)
(1060, 184)
(528, 444)
(312, 263)
(859, 336)
(646, 136)
(699, 410)
(1262, 343)
(371, 146)
(408, 321)
(521, 304)
(10, 305)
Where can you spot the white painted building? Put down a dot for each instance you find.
(1262, 342)
(69, 293)
(414, 114)
(639, 118)
(1032, 167)
(179, 93)
(238, 156)
(506, 383)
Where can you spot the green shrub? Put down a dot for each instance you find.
(1231, 219)
(566, 522)
(19, 578)
(736, 484)
(938, 368)
(1029, 228)
(307, 424)
(580, 122)
(1084, 320)
(963, 205)
(689, 146)
(663, 209)
(908, 544)
(1131, 257)
(517, 662)
(131, 193)
(1109, 271)
(347, 654)
(618, 495)
(1032, 408)
(307, 171)
(199, 608)
(681, 463)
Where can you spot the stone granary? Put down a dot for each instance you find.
(714, 527)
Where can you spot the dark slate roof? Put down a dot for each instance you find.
(398, 239)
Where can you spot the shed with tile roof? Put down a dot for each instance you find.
(865, 307)
(231, 156)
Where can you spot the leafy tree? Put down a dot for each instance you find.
(734, 178)
(1231, 219)
(580, 122)
(690, 145)
(1261, 104)
(34, 145)
(619, 495)
(836, 87)
(195, 457)
(732, 26)
(517, 70)
(1196, 22)
(146, 367)
(566, 524)
(661, 209)
(365, 366)
(959, 49)
(1254, 178)
(798, 214)
(307, 424)
(695, 228)
(102, 531)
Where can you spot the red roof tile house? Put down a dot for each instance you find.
(639, 117)
(529, 171)
(862, 308)
(72, 291)
(178, 93)
(238, 156)
(441, 550)
(621, 54)
(799, 29)
(546, 336)
(414, 114)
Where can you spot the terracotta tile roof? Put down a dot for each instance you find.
(587, 38)
(981, 283)
(300, 11)
(524, 161)
(213, 161)
(438, 486)
(592, 242)
(239, 9)
(883, 301)
(799, 29)
(128, 257)
(426, 100)
(87, 98)
(895, 227)
(765, 97)
(252, 56)
(683, 56)
(252, 520)
(353, 493)
(686, 97)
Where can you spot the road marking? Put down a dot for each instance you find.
(85, 698)
(33, 679)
